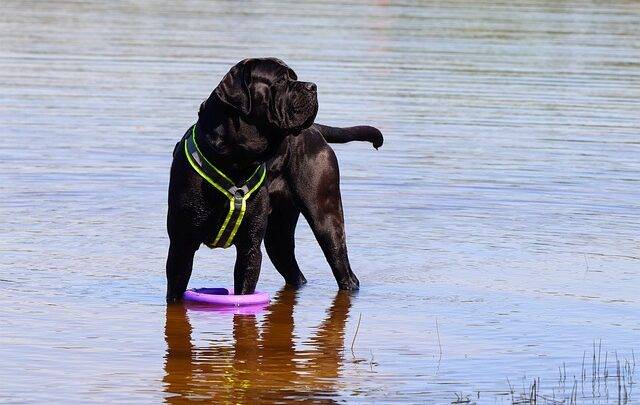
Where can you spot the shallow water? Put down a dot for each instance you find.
(495, 234)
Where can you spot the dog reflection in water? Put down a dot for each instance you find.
(263, 364)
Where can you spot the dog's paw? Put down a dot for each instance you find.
(349, 285)
(297, 281)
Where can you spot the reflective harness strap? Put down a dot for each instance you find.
(237, 196)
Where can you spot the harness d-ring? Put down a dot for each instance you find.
(238, 194)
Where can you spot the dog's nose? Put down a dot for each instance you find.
(310, 86)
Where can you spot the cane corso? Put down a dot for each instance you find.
(260, 113)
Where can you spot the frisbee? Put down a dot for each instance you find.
(224, 297)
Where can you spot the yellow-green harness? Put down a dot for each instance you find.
(237, 196)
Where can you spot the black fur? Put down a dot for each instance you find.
(261, 112)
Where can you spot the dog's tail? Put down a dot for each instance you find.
(344, 135)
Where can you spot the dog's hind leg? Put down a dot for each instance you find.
(327, 224)
(318, 190)
(280, 241)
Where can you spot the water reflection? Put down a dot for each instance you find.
(265, 362)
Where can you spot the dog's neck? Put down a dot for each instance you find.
(232, 144)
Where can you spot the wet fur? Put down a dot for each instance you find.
(303, 178)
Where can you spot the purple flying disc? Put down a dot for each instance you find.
(224, 297)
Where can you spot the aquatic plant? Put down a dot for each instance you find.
(602, 381)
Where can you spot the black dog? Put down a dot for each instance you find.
(259, 113)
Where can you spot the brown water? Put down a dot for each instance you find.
(496, 233)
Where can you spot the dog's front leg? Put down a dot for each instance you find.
(247, 269)
(179, 267)
(247, 241)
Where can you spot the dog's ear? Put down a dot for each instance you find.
(233, 90)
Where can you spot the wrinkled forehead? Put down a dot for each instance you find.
(270, 70)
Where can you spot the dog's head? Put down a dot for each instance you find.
(267, 92)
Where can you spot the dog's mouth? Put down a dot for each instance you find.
(297, 111)
(304, 111)
(312, 111)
